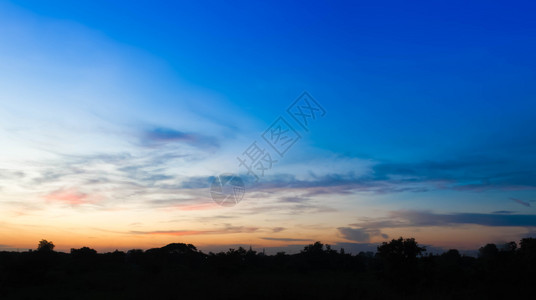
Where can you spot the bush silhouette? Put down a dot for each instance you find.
(45, 246)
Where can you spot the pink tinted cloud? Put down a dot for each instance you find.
(69, 196)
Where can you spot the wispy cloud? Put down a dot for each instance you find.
(195, 207)
(413, 218)
(520, 202)
(162, 135)
(363, 230)
(360, 234)
(286, 239)
(226, 230)
(476, 173)
(503, 212)
(70, 196)
(6, 173)
(470, 173)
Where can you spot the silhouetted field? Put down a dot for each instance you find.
(399, 270)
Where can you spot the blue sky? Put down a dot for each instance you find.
(124, 112)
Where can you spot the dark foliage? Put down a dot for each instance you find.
(400, 269)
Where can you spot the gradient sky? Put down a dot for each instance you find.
(116, 117)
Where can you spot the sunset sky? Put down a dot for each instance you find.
(115, 118)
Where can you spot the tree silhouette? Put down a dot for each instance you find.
(317, 249)
(489, 251)
(83, 252)
(452, 254)
(45, 246)
(527, 247)
(399, 259)
(509, 247)
(314, 249)
(527, 252)
(400, 250)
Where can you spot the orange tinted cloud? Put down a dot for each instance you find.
(194, 207)
(177, 233)
(228, 229)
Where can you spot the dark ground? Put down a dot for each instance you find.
(399, 270)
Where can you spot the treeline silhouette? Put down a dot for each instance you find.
(399, 269)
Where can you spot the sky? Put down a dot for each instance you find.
(359, 122)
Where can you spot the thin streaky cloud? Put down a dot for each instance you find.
(226, 230)
(520, 202)
(415, 218)
(286, 239)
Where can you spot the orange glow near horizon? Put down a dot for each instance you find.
(459, 237)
